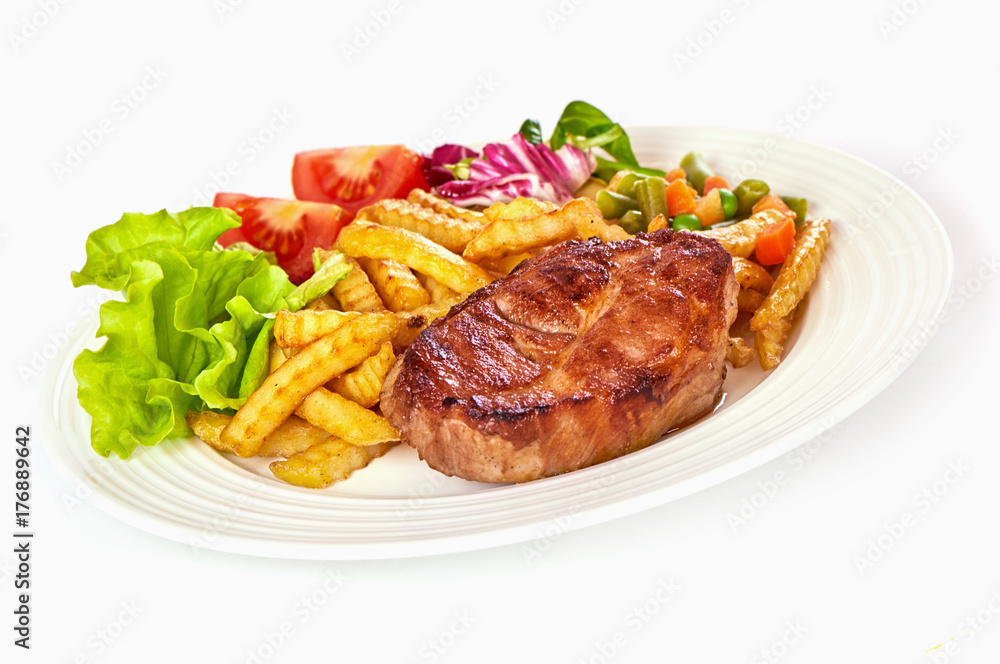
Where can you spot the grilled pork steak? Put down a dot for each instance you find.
(585, 353)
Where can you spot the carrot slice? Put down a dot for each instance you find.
(773, 202)
(675, 174)
(714, 182)
(680, 198)
(776, 242)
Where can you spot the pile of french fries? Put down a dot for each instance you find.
(412, 260)
(772, 303)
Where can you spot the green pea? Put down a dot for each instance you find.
(686, 222)
(729, 203)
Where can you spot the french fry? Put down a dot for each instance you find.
(322, 303)
(518, 209)
(796, 275)
(770, 342)
(749, 300)
(286, 388)
(395, 284)
(207, 425)
(291, 437)
(738, 353)
(507, 264)
(339, 416)
(751, 275)
(323, 464)
(301, 328)
(363, 384)
(450, 232)
(345, 419)
(413, 322)
(444, 206)
(363, 238)
(437, 291)
(505, 236)
(739, 239)
(355, 292)
(590, 222)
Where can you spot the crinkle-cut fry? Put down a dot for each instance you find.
(502, 236)
(590, 223)
(363, 384)
(445, 207)
(207, 425)
(507, 264)
(338, 415)
(301, 328)
(519, 209)
(437, 291)
(355, 292)
(363, 238)
(395, 284)
(796, 274)
(328, 462)
(451, 233)
(770, 342)
(739, 239)
(413, 322)
(291, 437)
(738, 353)
(748, 300)
(345, 419)
(285, 389)
(323, 303)
(752, 275)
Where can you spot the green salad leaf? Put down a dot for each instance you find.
(586, 126)
(193, 330)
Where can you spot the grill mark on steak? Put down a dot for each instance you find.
(582, 354)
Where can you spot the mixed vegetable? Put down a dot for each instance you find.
(692, 197)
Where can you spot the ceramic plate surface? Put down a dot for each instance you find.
(887, 273)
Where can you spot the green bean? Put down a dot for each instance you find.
(652, 196)
(633, 222)
(613, 206)
(799, 206)
(626, 186)
(696, 169)
(747, 194)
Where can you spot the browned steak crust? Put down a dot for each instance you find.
(587, 352)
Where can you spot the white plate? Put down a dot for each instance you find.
(886, 276)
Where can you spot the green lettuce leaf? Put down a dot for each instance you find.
(193, 330)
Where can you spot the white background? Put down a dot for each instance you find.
(886, 81)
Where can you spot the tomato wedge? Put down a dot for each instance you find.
(291, 229)
(354, 177)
